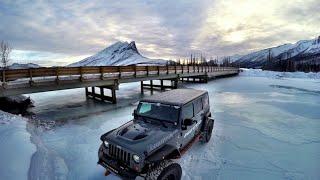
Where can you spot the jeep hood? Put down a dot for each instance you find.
(141, 137)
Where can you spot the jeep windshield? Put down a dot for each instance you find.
(158, 111)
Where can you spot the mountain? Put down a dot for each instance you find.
(23, 66)
(118, 54)
(302, 51)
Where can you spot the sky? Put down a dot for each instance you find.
(60, 32)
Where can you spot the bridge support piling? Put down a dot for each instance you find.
(151, 86)
(141, 86)
(93, 92)
(101, 96)
(87, 91)
(160, 86)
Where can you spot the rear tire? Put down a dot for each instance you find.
(206, 136)
(165, 170)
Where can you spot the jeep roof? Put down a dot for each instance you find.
(177, 97)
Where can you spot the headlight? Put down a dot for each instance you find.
(136, 158)
(106, 143)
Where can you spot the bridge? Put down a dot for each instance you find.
(33, 80)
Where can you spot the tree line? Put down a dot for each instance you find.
(200, 60)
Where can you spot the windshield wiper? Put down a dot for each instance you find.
(144, 119)
(159, 120)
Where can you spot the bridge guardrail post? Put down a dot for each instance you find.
(135, 71)
(30, 76)
(101, 73)
(3, 78)
(119, 70)
(57, 75)
(81, 73)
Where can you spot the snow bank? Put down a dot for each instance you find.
(16, 147)
(275, 74)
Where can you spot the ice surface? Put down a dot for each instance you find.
(265, 128)
(15, 147)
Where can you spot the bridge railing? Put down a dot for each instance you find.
(14, 74)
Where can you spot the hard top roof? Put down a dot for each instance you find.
(176, 97)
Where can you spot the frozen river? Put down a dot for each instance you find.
(265, 128)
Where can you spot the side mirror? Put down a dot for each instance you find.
(188, 122)
(134, 114)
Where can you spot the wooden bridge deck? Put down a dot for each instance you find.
(24, 81)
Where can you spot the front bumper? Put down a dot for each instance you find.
(115, 166)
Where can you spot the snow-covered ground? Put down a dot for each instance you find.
(274, 74)
(16, 148)
(265, 128)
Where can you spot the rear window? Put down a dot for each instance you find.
(187, 111)
(205, 101)
(197, 106)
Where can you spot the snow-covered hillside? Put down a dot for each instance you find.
(118, 54)
(301, 49)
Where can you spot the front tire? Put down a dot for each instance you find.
(165, 170)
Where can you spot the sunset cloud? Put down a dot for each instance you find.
(61, 32)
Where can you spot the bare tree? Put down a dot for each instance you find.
(5, 50)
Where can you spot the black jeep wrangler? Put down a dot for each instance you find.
(165, 125)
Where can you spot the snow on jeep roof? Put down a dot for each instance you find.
(175, 97)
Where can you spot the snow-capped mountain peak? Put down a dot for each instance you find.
(23, 66)
(302, 49)
(118, 54)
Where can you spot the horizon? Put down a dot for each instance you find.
(51, 34)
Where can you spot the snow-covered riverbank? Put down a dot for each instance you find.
(16, 147)
(275, 74)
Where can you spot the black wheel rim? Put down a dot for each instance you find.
(170, 177)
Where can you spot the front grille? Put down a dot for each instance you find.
(119, 154)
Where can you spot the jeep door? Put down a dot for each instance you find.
(198, 114)
(188, 112)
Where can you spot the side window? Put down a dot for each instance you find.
(144, 108)
(187, 111)
(205, 100)
(197, 105)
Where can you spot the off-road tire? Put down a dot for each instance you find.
(206, 135)
(165, 170)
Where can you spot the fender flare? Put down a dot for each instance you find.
(102, 138)
(166, 152)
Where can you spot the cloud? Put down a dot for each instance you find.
(162, 29)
